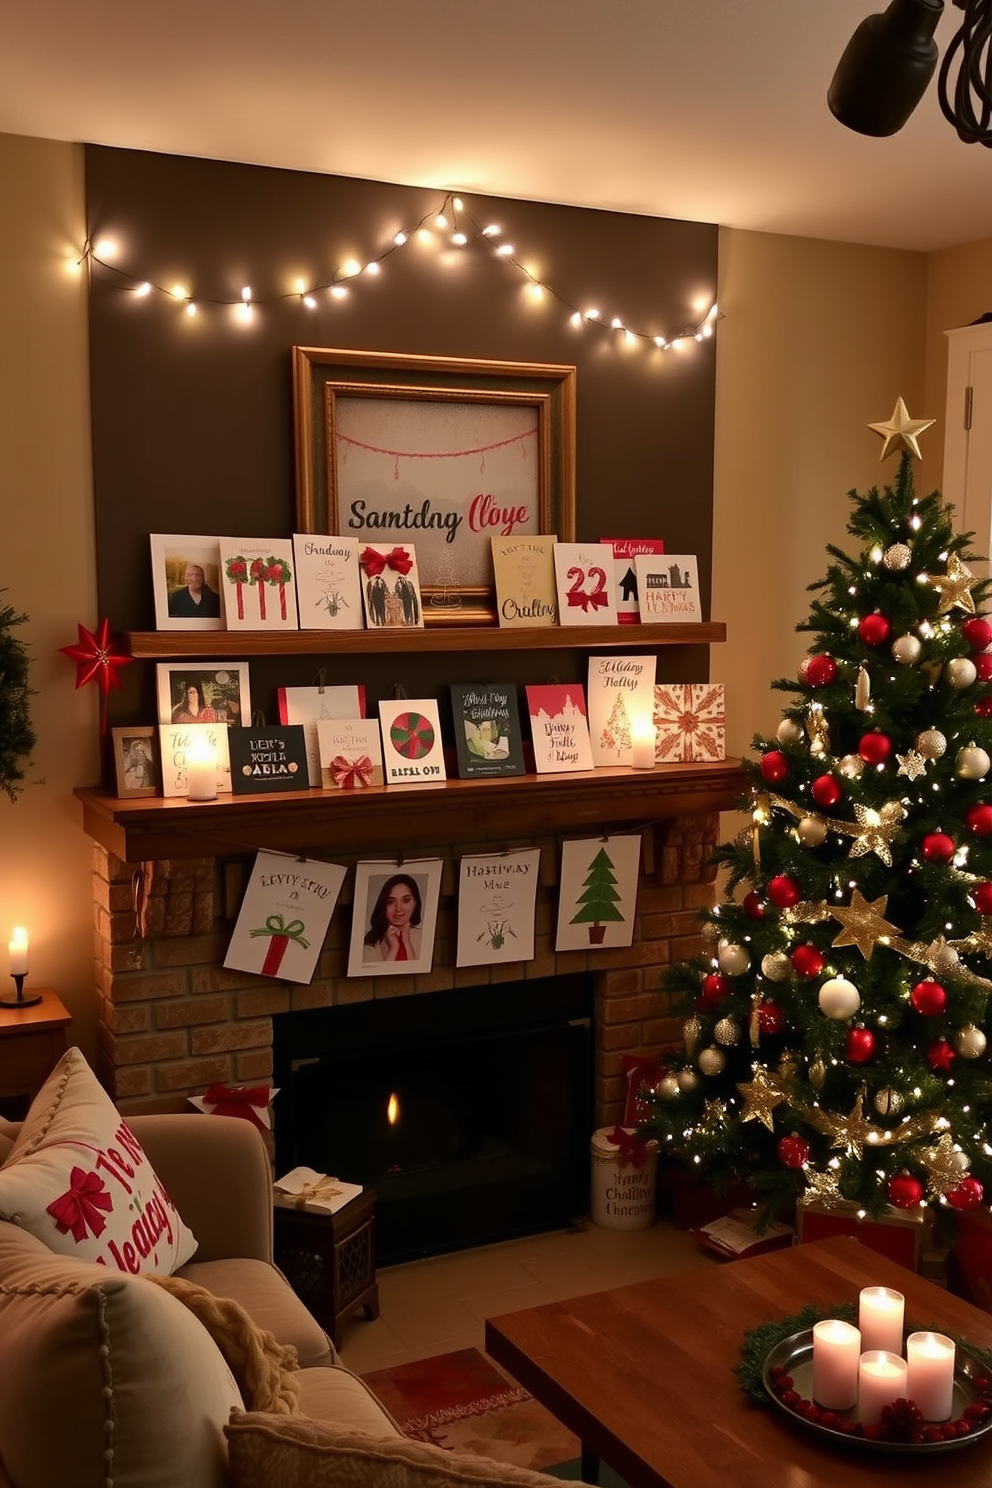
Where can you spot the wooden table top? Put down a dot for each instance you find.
(643, 1374)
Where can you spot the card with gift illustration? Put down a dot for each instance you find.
(284, 916)
(524, 567)
(620, 702)
(487, 729)
(350, 753)
(690, 721)
(257, 583)
(625, 550)
(411, 740)
(178, 742)
(584, 577)
(667, 588)
(328, 582)
(559, 727)
(390, 586)
(308, 705)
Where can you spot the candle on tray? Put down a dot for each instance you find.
(201, 771)
(642, 743)
(881, 1380)
(880, 1318)
(18, 949)
(836, 1352)
(930, 1374)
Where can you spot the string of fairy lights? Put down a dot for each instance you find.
(449, 225)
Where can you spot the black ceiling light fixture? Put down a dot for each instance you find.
(889, 61)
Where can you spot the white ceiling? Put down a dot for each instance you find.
(708, 110)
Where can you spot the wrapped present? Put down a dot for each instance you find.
(689, 721)
(305, 1188)
(251, 1102)
(897, 1233)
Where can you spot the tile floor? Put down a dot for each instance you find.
(437, 1305)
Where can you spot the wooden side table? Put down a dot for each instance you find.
(32, 1040)
(329, 1259)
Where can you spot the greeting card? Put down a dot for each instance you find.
(328, 582)
(559, 728)
(667, 588)
(390, 587)
(690, 721)
(284, 916)
(496, 904)
(625, 550)
(526, 593)
(395, 917)
(597, 900)
(621, 703)
(487, 729)
(308, 705)
(257, 583)
(411, 740)
(268, 758)
(178, 740)
(350, 753)
(584, 577)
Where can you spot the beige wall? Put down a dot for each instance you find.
(47, 560)
(959, 290)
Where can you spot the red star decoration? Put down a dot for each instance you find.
(95, 657)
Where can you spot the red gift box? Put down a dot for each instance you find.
(898, 1233)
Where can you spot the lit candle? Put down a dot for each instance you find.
(881, 1379)
(18, 948)
(836, 1352)
(642, 737)
(201, 771)
(930, 1374)
(880, 1318)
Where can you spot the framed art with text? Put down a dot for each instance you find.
(442, 452)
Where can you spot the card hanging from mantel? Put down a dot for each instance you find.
(284, 916)
(497, 896)
(308, 705)
(394, 917)
(597, 898)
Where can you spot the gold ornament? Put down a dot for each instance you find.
(692, 1032)
(912, 765)
(931, 744)
(822, 1188)
(761, 1096)
(787, 1066)
(818, 729)
(876, 830)
(970, 1042)
(954, 587)
(817, 1074)
(864, 923)
(944, 1164)
(901, 432)
(898, 557)
(728, 1032)
(851, 766)
(887, 1102)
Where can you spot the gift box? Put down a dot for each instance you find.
(689, 722)
(969, 1263)
(899, 1234)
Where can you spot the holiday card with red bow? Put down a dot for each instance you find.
(584, 576)
(284, 916)
(350, 753)
(390, 586)
(689, 722)
(258, 584)
(308, 705)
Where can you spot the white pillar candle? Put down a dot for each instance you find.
(881, 1380)
(836, 1353)
(201, 771)
(930, 1374)
(880, 1318)
(642, 743)
(17, 946)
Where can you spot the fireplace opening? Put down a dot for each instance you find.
(468, 1112)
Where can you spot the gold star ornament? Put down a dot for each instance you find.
(876, 829)
(761, 1096)
(901, 432)
(864, 923)
(954, 587)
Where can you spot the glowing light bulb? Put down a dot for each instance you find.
(592, 315)
(616, 324)
(373, 268)
(424, 235)
(246, 294)
(400, 239)
(106, 248)
(576, 319)
(457, 203)
(505, 249)
(660, 341)
(310, 302)
(178, 292)
(492, 231)
(190, 308)
(440, 220)
(339, 292)
(536, 292)
(459, 239)
(141, 290)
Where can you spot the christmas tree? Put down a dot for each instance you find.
(16, 734)
(834, 1043)
(599, 899)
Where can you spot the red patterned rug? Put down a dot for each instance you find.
(461, 1401)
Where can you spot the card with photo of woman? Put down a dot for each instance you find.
(395, 917)
(203, 692)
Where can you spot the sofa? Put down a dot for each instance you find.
(108, 1380)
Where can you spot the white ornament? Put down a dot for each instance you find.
(812, 832)
(931, 744)
(733, 959)
(972, 763)
(907, 650)
(776, 966)
(727, 1031)
(945, 959)
(789, 732)
(862, 690)
(667, 1088)
(839, 999)
(897, 557)
(888, 1102)
(961, 671)
(851, 766)
(688, 1080)
(712, 1061)
(970, 1042)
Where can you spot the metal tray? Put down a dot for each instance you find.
(795, 1356)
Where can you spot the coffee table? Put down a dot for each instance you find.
(643, 1374)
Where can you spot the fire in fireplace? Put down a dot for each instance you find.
(468, 1112)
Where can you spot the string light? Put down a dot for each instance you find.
(448, 218)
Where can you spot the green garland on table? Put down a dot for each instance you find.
(17, 738)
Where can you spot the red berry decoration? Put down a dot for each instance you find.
(859, 1045)
(977, 632)
(967, 1195)
(820, 671)
(774, 766)
(905, 1191)
(875, 630)
(753, 906)
(983, 666)
(982, 896)
(826, 790)
(771, 1019)
(793, 1152)
(715, 987)
(978, 819)
(937, 847)
(808, 960)
(875, 748)
(783, 891)
(928, 998)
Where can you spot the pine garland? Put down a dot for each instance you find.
(17, 738)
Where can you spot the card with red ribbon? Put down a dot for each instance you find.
(584, 577)
(284, 916)
(350, 753)
(250, 1102)
(390, 586)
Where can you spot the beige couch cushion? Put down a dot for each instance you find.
(266, 1296)
(107, 1380)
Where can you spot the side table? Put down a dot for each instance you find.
(329, 1259)
(32, 1040)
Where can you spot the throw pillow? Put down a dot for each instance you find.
(293, 1451)
(79, 1180)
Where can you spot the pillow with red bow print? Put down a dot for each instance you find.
(79, 1181)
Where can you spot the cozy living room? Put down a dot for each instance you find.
(495, 707)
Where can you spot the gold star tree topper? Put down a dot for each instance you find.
(901, 432)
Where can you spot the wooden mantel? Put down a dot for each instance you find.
(408, 816)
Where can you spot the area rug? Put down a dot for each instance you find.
(462, 1402)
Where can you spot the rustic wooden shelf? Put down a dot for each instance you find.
(149, 644)
(407, 818)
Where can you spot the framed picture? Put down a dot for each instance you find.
(203, 692)
(136, 760)
(441, 452)
(395, 917)
(186, 582)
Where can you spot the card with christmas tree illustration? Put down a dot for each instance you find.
(620, 703)
(690, 720)
(487, 729)
(667, 588)
(328, 582)
(625, 550)
(497, 895)
(257, 583)
(584, 578)
(390, 587)
(597, 898)
(526, 593)
(284, 916)
(411, 740)
(350, 753)
(308, 705)
(559, 727)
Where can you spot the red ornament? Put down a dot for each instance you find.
(928, 998)
(826, 790)
(820, 670)
(774, 766)
(96, 658)
(771, 1019)
(967, 1195)
(977, 632)
(983, 666)
(978, 819)
(875, 748)
(983, 708)
(715, 987)
(793, 1152)
(940, 1056)
(859, 1045)
(808, 960)
(905, 1191)
(753, 906)
(937, 847)
(982, 896)
(783, 891)
(875, 630)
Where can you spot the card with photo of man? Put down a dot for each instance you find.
(186, 582)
